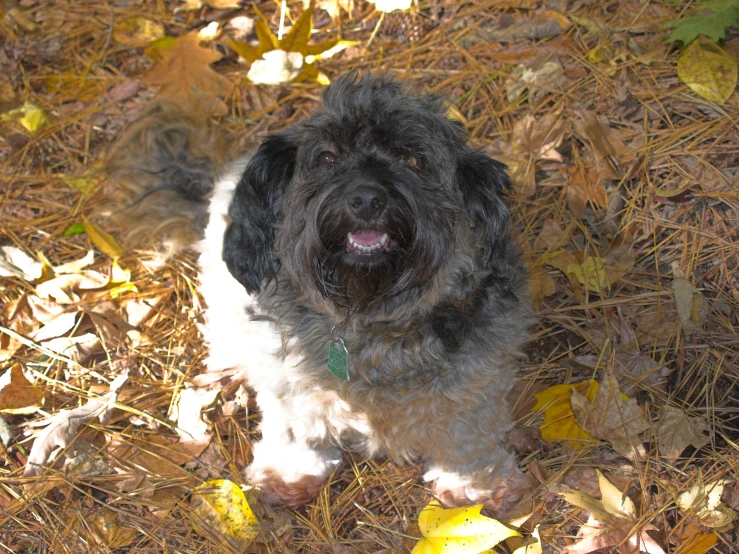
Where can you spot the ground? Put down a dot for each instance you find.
(626, 205)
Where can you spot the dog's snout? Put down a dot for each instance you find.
(367, 201)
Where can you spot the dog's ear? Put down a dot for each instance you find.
(248, 244)
(484, 183)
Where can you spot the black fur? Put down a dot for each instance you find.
(248, 244)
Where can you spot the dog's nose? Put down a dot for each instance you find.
(367, 201)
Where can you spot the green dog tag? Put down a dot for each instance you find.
(338, 362)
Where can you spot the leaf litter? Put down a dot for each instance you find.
(624, 203)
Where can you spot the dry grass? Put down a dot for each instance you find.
(135, 483)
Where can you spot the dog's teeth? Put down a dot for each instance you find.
(383, 240)
(351, 238)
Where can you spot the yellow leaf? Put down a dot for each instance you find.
(591, 273)
(86, 184)
(297, 37)
(17, 394)
(325, 50)
(30, 116)
(458, 530)
(102, 240)
(138, 31)
(266, 38)
(708, 71)
(559, 423)
(247, 51)
(220, 509)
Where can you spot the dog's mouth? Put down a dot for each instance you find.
(369, 242)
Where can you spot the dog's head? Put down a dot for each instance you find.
(366, 201)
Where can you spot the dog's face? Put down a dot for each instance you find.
(363, 203)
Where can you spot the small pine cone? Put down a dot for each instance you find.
(405, 26)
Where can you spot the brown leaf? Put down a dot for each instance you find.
(691, 305)
(675, 430)
(547, 24)
(61, 429)
(17, 394)
(612, 418)
(185, 75)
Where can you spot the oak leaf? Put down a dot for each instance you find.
(184, 74)
(703, 502)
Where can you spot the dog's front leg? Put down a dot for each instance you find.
(472, 466)
(294, 456)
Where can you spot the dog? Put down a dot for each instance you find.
(359, 270)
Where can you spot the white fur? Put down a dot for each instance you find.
(289, 421)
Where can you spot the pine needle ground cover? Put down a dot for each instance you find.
(619, 122)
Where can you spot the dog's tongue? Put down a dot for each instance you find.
(366, 237)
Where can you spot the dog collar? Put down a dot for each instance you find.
(338, 357)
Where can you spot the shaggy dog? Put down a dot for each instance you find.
(359, 270)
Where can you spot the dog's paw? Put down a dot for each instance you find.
(291, 493)
(499, 495)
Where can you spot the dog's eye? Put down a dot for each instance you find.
(327, 157)
(415, 162)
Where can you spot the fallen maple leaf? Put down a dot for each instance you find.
(612, 522)
(185, 75)
(675, 430)
(458, 530)
(559, 423)
(17, 394)
(220, 509)
(612, 417)
(61, 429)
(291, 58)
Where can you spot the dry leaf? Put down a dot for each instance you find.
(675, 430)
(185, 75)
(190, 5)
(16, 263)
(703, 502)
(102, 240)
(17, 394)
(547, 24)
(695, 541)
(458, 530)
(559, 423)
(61, 429)
(539, 285)
(290, 58)
(691, 305)
(539, 80)
(332, 6)
(709, 71)
(138, 31)
(30, 116)
(612, 522)
(109, 529)
(193, 430)
(613, 418)
(220, 509)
